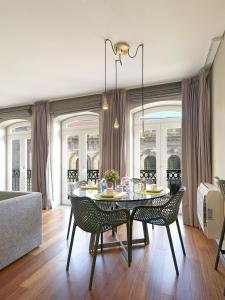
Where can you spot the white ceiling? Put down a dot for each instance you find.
(52, 49)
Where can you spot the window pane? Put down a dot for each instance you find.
(93, 157)
(148, 148)
(15, 165)
(72, 158)
(174, 156)
(148, 155)
(173, 147)
(21, 129)
(29, 184)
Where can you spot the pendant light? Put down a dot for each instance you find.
(119, 49)
(105, 105)
(116, 122)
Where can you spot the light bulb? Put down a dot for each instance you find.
(105, 105)
(142, 133)
(116, 123)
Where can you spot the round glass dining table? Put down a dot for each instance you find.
(130, 198)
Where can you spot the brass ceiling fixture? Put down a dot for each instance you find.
(119, 49)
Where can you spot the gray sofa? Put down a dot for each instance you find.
(20, 225)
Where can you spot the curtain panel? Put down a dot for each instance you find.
(19, 112)
(73, 105)
(167, 91)
(112, 139)
(40, 151)
(196, 142)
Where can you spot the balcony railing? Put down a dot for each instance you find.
(29, 181)
(73, 175)
(16, 180)
(173, 176)
(149, 175)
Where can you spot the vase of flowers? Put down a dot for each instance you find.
(111, 176)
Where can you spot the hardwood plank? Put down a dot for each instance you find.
(41, 274)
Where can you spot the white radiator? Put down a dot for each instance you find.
(210, 208)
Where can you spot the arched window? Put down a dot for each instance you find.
(150, 163)
(173, 162)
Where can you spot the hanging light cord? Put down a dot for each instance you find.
(119, 59)
(108, 40)
(136, 52)
(105, 66)
(142, 86)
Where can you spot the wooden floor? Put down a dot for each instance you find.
(41, 274)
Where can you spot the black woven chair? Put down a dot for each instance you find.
(163, 213)
(221, 185)
(89, 217)
(102, 204)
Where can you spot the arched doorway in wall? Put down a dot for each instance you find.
(19, 156)
(174, 162)
(150, 162)
(80, 149)
(153, 155)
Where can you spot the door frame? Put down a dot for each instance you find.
(82, 150)
(163, 124)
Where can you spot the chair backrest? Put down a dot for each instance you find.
(171, 208)
(221, 185)
(174, 186)
(86, 213)
(135, 180)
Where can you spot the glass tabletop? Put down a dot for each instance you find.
(133, 194)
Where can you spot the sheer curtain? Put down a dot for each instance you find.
(40, 151)
(196, 142)
(112, 139)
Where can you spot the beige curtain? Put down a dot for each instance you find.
(113, 140)
(196, 141)
(40, 151)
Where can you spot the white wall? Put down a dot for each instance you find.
(218, 113)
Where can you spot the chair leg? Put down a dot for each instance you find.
(172, 249)
(220, 245)
(145, 230)
(101, 241)
(69, 225)
(94, 260)
(131, 239)
(180, 236)
(129, 244)
(71, 246)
